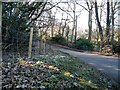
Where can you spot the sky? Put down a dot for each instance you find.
(82, 21)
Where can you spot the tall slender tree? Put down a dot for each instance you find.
(0, 27)
(73, 30)
(89, 9)
(30, 43)
(52, 26)
(113, 10)
(64, 26)
(108, 23)
(0, 41)
(99, 26)
(119, 31)
(59, 31)
(67, 32)
(75, 38)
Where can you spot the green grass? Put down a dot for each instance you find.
(73, 73)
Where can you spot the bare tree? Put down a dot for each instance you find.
(71, 8)
(89, 8)
(101, 10)
(67, 32)
(46, 7)
(113, 11)
(30, 43)
(59, 31)
(108, 23)
(99, 26)
(75, 39)
(118, 30)
(0, 27)
(64, 26)
(74, 8)
(97, 33)
(0, 40)
(33, 17)
(52, 25)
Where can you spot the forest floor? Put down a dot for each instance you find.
(54, 70)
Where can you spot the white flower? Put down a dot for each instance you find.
(42, 87)
(67, 73)
(18, 86)
(53, 76)
(51, 67)
(39, 62)
(55, 68)
(62, 56)
(89, 81)
(71, 76)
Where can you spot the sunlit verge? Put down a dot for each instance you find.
(52, 67)
(53, 71)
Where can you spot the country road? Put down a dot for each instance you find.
(106, 64)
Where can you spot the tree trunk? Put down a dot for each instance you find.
(0, 28)
(73, 23)
(97, 37)
(40, 47)
(108, 23)
(63, 29)
(67, 33)
(52, 29)
(72, 34)
(99, 26)
(75, 31)
(41, 43)
(90, 24)
(90, 8)
(119, 33)
(59, 31)
(0, 42)
(118, 46)
(112, 17)
(30, 43)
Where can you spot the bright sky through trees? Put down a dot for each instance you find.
(82, 20)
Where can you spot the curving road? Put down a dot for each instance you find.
(106, 64)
